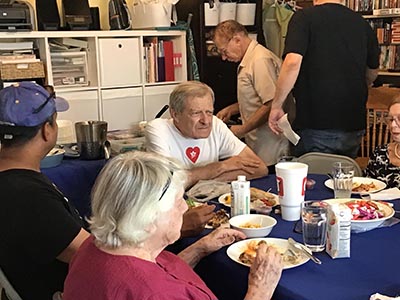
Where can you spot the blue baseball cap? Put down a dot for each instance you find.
(27, 104)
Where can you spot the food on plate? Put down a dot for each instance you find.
(259, 195)
(363, 187)
(250, 225)
(364, 210)
(190, 203)
(249, 254)
(221, 217)
(228, 199)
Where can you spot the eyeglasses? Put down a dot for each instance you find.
(389, 120)
(166, 186)
(39, 108)
(224, 51)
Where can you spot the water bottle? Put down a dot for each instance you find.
(240, 196)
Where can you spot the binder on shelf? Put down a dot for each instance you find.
(161, 62)
(169, 60)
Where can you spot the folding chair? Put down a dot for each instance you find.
(322, 163)
(10, 292)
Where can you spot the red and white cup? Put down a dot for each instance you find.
(291, 178)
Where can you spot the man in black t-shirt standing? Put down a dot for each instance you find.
(39, 229)
(331, 56)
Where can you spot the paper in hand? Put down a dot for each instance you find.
(288, 132)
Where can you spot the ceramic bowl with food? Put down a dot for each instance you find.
(367, 214)
(53, 158)
(253, 225)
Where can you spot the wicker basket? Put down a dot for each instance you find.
(22, 71)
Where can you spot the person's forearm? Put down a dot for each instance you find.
(210, 171)
(254, 294)
(287, 78)
(232, 175)
(259, 118)
(193, 254)
(234, 108)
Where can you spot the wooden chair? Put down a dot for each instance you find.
(377, 133)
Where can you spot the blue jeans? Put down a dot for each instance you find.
(329, 141)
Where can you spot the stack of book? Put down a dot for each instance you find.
(159, 60)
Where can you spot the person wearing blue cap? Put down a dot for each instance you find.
(39, 229)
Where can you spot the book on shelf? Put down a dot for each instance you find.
(169, 61)
(161, 62)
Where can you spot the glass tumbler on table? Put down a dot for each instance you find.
(342, 179)
(314, 223)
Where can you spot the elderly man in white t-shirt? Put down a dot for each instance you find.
(199, 140)
(202, 142)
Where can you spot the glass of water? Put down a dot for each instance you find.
(313, 216)
(342, 179)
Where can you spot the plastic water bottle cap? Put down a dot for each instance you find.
(241, 178)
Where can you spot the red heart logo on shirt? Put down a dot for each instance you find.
(193, 153)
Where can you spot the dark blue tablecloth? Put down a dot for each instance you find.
(373, 266)
(75, 178)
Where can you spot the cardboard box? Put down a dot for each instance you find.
(339, 230)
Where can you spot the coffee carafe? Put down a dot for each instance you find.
(92, 141)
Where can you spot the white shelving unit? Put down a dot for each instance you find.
(115, 88)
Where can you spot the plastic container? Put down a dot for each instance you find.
(240, 196)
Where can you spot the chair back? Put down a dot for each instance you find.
(377, 132)
(322, 163)
(11, 293)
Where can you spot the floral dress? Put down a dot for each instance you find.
(379, 167)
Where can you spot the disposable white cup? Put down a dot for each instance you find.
(227, 11)
(291, 178)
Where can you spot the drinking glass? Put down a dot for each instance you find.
(342, 179)
(313, 216)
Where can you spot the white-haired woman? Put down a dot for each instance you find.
(137, 209)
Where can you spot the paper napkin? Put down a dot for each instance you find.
(389, 194)
(206, 190)
(382, 297)
(288, 132)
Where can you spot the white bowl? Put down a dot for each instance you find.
(366, 225)
(266, 223)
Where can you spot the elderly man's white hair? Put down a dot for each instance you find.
(130, 192)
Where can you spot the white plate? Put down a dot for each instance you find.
(380, 185)
(366, 225)
(281, 245)
(221, 199)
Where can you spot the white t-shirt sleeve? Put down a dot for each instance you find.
(229, 144)
(156, 137)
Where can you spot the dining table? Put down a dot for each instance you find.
(371, 268)
(75, 177)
